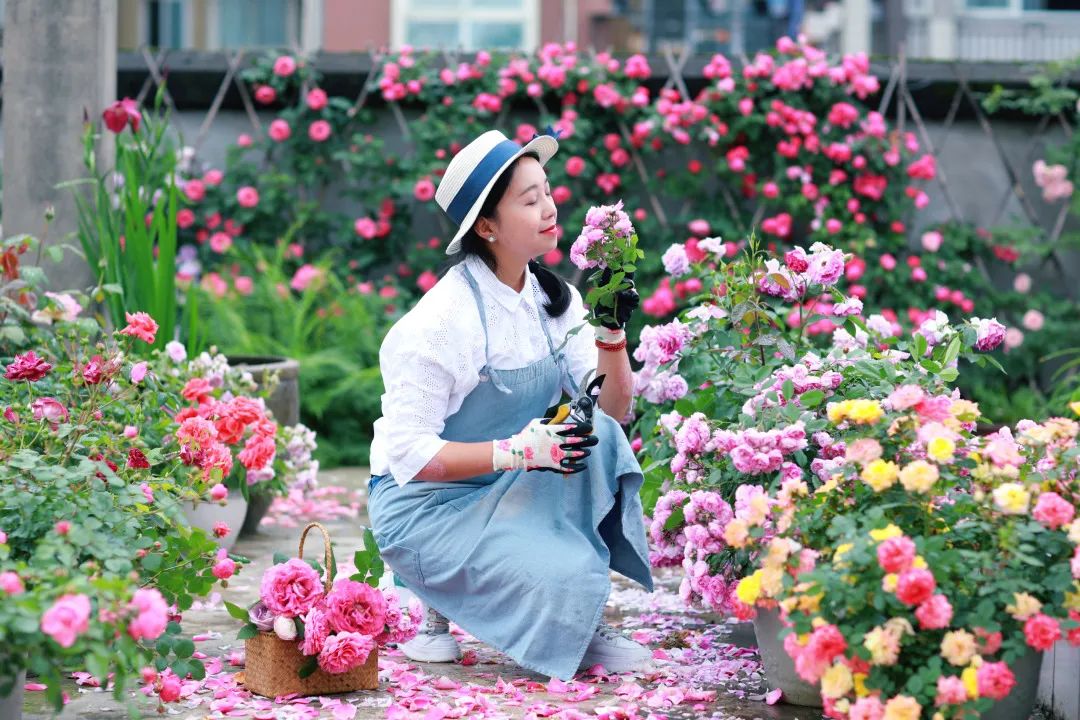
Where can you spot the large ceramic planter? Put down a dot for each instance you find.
(11, 705)
(258, 506)
(284, 403)
(206, 515)
(779, 668)
(1021, 701)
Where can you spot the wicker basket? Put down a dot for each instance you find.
(273, 665)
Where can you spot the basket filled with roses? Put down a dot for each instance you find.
(309, 634)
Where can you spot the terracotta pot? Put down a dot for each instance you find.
(11, 705)
(779, 668)
(207, 514)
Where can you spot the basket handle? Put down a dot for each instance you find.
(328, 557)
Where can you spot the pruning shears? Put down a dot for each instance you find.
(578, 414)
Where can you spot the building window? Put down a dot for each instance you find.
(225, 24)
(466, 24)
(255, 23)
(1021, 6)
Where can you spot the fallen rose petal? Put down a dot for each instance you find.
(34, 687)
(773, 696)
(445, 683)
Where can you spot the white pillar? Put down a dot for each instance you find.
(59, 67)
(855, 33)
(941, 30)
(311, 25)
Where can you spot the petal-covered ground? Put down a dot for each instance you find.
(703, 666)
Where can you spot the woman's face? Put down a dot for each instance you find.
(524, 222)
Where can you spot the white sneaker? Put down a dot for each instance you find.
(616, 652)
(434, 643)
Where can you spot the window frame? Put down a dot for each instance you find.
(404, 11)
(294, 29)
(187, 30)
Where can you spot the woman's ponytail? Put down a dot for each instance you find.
(557, 289)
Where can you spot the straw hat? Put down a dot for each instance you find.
(469, 176)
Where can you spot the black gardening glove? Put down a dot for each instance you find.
(626, 302)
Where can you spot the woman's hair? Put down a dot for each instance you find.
(556, 288)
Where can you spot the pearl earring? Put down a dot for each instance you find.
(491, 238)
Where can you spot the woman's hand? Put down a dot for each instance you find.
(626, 302)
(540, 446)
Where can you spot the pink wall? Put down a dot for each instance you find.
(355, 25)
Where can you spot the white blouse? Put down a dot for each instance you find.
(432, 357)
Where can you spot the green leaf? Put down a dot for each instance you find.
(920, 346)
(248, 631)
(308, 667)
(677, 519)
(811, 398)
(236, 611)
(184, 648)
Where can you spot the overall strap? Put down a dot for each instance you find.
(560, 354)
(487, 369)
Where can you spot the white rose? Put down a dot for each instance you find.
(285, 628)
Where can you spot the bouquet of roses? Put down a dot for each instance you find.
(608, 245)
(336, 625)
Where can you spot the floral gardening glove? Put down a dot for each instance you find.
(626, 302)
(559, 447)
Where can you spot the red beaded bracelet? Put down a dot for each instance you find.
(611, 347)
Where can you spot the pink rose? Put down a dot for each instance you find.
(11, 583)
(356, 607)
(316, 630)
(934, 614)
(244, 284)
(48, 409)
(319, 130)
(220, 242)
(316, 99)
(140, 325)
(291, 588)
(284, 66)
(151, 614)
(867, 708)
(258, 452)
(68, 618)
(305, 275)
(224, 568)
(219, 492)
(138, 372)
(575, 165)
(344, 652)
(28, 367)
(915, 586)
(247, 196)
(265, 94)
(426, 280)
(995, 680)
(950, 691)
(195, 190)
(931, 241)
(424, 190)
(221, 529)
(1053, 511)
(213, 176)
(365, 227)
(1041, 632)
(244, 140)
(170, 688)
(279, 130)
(896, 554)
(1033, 320)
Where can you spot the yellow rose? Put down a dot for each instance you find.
(880, 474)
(865, 412)
(772, 580)
(884, 646)
(1012, 498)
(837, 411)
(971, 681)
(736, 533)
(1075, 407)
(941, 449)
(1074, 531)
(964, 410)
(919, 563)
(837, 681)
(902, 707)
(841, 551)
(1024, 606)
(749, 588)
(918, 476)
(859, 680)
(883, 534)
(1072, 599)
(958, 647)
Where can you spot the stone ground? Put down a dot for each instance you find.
(704, 667)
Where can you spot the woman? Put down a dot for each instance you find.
(461, 507)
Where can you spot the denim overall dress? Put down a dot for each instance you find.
(518, 559)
